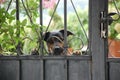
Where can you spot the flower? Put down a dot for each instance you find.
(117, 27)
(49, 3)
(114, 31)
(2, 1)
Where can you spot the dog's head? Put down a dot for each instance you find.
(55, 41)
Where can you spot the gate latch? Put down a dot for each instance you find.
(108, 19)
(102, 28)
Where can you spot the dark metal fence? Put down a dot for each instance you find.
(45, 68)
(96, 66)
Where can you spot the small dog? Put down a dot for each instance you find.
(55, 42)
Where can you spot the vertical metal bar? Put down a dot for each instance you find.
(18, 47)
(65, 26)
(44, 77)
(65, 36)
(67, 70)
(17, 9)
(98, 45)
(106, 41)
(41, 33)
(20, 70)
(41, 23)
(17, 18)
(41, 13)
(42, 69)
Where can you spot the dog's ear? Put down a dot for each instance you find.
(46, 36)
(68, 32)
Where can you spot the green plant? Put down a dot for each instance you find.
(114, 31)
(23, 35)
(80, 38)
(14, 33)
(114, 28)
(7, 39)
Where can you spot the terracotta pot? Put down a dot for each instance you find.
(114, 48)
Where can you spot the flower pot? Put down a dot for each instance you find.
(114, 48)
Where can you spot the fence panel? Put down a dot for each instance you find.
(114, 68)
(9, 70)
(114, 71)
(79, 70)
(55, 70)
(32, 70)
(45, 68)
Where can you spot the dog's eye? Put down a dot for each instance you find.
(58, 40)
(62, 39)
(51, 41)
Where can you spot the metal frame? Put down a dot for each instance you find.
(45, 68)
(96, 66)
(98, 45)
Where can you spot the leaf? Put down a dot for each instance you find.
(24, 22)
(11, 19)
(11, 47)
(28, 26)
(18, 23)
(13, 12)
(11, 31)
(6, 37)
(7, 15)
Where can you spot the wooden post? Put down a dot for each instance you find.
(98, 44)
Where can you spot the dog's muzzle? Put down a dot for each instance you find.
(57, 50)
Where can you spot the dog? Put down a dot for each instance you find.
(55, 43)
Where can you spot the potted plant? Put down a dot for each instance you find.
(114, 29)
(114, 40)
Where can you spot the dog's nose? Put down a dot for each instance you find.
(58, 50)
(56, 47)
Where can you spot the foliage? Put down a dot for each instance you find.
(25, 32)
(12, 32)
(80, 38)
(7, 39)
(114, 27)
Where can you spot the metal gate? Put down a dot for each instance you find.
(95, 66)
(45, 68)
